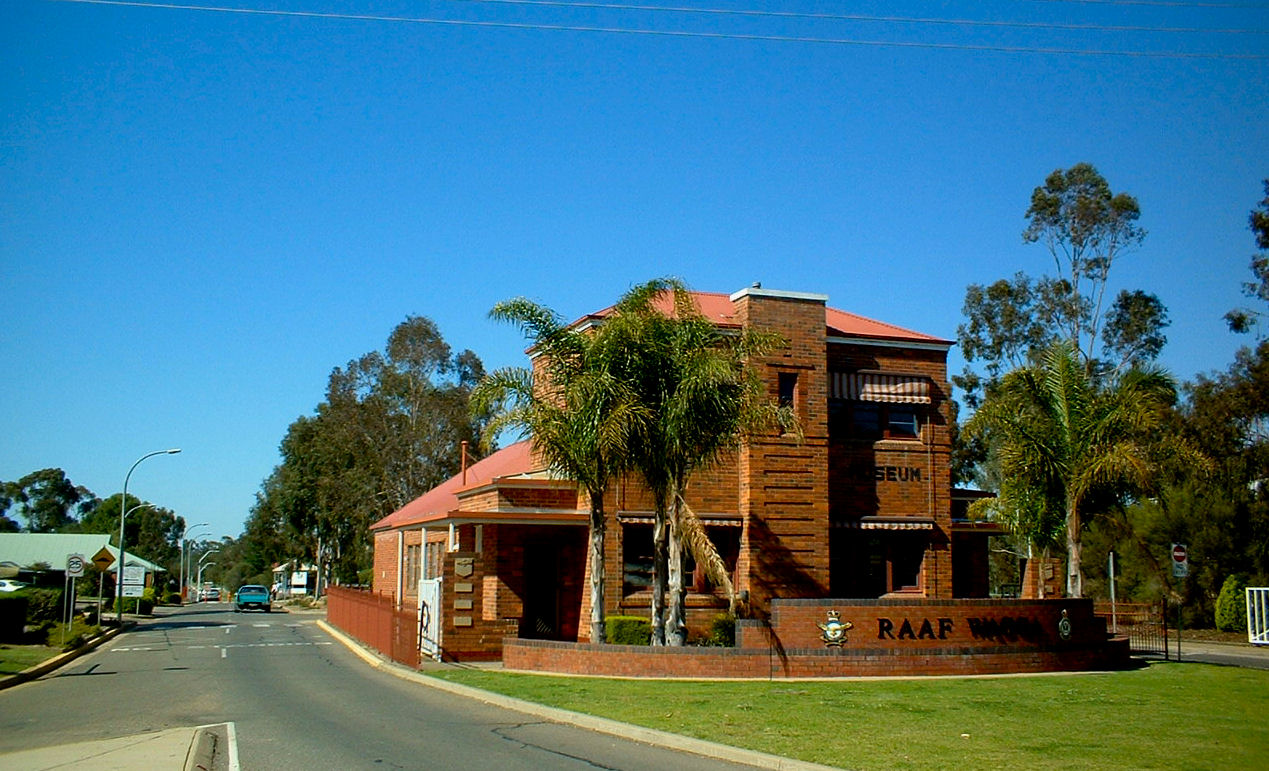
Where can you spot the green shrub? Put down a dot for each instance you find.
(68, 638)
(722, 631)
(628, 630)
(1231, 605)
(13, 616)
(173, 598)
(44, 605)
(142, 605)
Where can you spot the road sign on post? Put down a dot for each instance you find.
(1180, 561)
(103, 559)
(74, 565)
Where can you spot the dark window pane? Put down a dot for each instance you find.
(903, 421)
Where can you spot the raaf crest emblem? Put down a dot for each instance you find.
(834, 629)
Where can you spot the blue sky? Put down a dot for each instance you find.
(202, 213)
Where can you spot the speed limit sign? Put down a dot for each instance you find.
(75, 566)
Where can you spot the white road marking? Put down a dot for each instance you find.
(224, 648)
(224, 652)
(260, 626)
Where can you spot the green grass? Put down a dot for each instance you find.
(15, 658)
(1165, 716)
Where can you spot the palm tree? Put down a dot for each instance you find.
(701, 399)
(1066, 444)
(577, 414)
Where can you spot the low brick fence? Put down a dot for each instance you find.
(876, 638)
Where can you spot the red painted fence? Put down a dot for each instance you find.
(376, 621)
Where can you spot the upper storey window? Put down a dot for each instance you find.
(875, 405)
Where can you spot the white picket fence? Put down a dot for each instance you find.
(1258, 615)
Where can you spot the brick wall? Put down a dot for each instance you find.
(940, 637)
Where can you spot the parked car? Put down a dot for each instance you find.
(211, 595)
(9, 585)
(252, 596)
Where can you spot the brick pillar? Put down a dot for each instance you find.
(784, 482)
(1038, 569)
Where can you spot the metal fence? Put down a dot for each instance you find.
(1144, 624)
(1258, 615)
(376, 621)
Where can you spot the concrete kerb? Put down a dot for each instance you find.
(649, 736)
(43, 668)
(202, 751)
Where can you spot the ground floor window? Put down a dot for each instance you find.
(413, 552)
(873, 563)
(637, 559)
(433, 560)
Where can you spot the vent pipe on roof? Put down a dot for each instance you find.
(464, 462)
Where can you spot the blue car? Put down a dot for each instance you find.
(252, 596)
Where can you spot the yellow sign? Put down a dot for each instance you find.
(103, 559)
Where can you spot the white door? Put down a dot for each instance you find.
(430, 617)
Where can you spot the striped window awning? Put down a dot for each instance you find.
(878, 387)
(887, 523)
(709, 520)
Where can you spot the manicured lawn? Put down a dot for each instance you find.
(1165, 716)
(15, 658)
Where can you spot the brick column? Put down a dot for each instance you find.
(784, 482)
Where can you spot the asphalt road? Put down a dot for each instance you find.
(297, 700)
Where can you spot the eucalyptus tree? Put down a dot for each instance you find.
(702, 399)
(1245, 319)
(578, 414)
(1086, 229)
(389, 430)
(48, 500)
(1068, 443)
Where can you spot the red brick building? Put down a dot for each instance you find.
(860, 507)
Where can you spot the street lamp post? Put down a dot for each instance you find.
(184, 541)
(206, 554)
(123, 513)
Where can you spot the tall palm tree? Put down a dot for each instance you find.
(701, 399)
(577, 414)
(1066, 443)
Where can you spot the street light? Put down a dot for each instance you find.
(123, 513)
(206, 554)
(184, 541)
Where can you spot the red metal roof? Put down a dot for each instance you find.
(442, 499)
(720, 309)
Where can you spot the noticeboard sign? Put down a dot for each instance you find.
(133, 575)
(133, 590)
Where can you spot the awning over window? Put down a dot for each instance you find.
(709, 520)
(887, 523)
(877, 387)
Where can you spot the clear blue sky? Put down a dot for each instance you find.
(202, 213)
